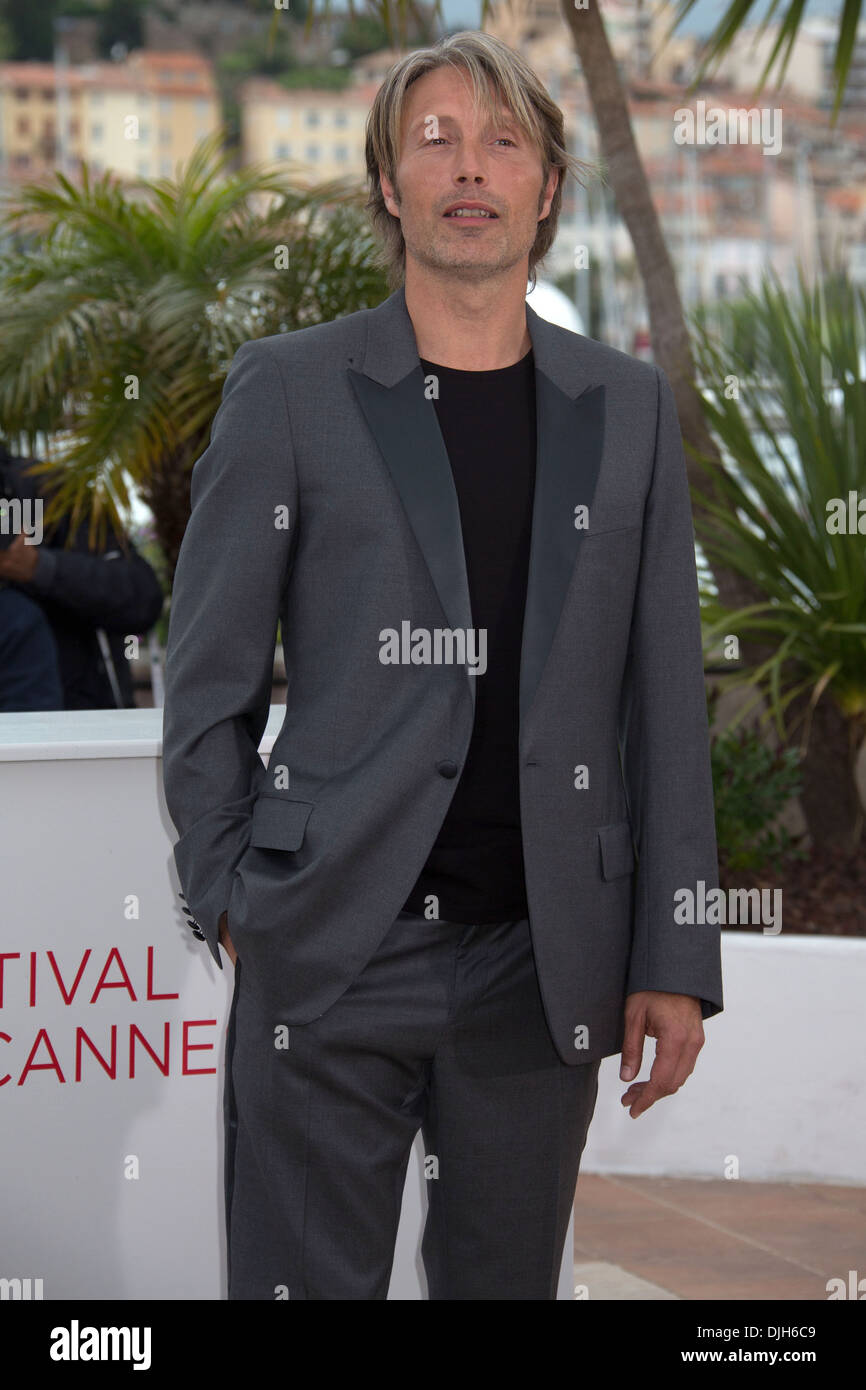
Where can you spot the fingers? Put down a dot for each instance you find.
(632, 1047)
(677, 1049)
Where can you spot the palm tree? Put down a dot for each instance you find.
(794, 436)
(119, 322)
(735, 18)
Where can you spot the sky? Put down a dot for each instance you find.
(701, 21)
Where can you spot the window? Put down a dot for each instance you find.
(165, 135)
(96, 132)
(22, 125)
(311, 118)
(284, 118)
(22, 93)
(341, 153)
(165, 106)
(341, 118)
(312, 153)
(282, 150)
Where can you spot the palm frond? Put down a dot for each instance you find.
(792, 437)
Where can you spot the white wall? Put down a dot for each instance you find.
(83, 834)
(780, 1083)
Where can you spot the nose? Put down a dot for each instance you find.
(470, 162)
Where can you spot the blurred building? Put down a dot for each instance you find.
(137, 117)
(809, 75)
(321, 131)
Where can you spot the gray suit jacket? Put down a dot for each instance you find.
(325, 502)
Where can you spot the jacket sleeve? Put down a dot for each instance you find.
(115, 589)
(664, 739)
(231, 569)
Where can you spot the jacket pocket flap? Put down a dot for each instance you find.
(278, 824)
(617, 850)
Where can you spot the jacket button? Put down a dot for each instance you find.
(447, 768)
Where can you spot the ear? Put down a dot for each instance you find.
(550, 188)
(388, 194)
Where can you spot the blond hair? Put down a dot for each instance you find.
(498, 75)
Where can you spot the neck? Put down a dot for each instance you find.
(472, 327)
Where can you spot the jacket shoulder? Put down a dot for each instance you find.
(317, 342)
(606, 363)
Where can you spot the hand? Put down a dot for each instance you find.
(225, 939)
(674, 1020)
(19, 561)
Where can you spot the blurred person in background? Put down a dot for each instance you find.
(29, 666)
(88, 602)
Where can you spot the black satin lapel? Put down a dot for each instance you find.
(570, 438)
(405, 427)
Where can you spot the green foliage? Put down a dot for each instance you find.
(752, 784)
(332, 79)
(268, 56)
(30, 29)
(121, 307)
(406, 23)
(788, 406)
(734, 325)
(362, 34)
(121, 21)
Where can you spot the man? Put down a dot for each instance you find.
(475, 530)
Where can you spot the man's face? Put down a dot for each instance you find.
(448, 155)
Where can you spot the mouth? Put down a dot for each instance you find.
(473, 213)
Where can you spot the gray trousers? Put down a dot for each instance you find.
(444, 1030)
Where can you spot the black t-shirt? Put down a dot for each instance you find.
(488, 424)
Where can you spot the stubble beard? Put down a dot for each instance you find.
(430, 251)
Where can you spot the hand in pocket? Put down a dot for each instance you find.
(225, 939)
